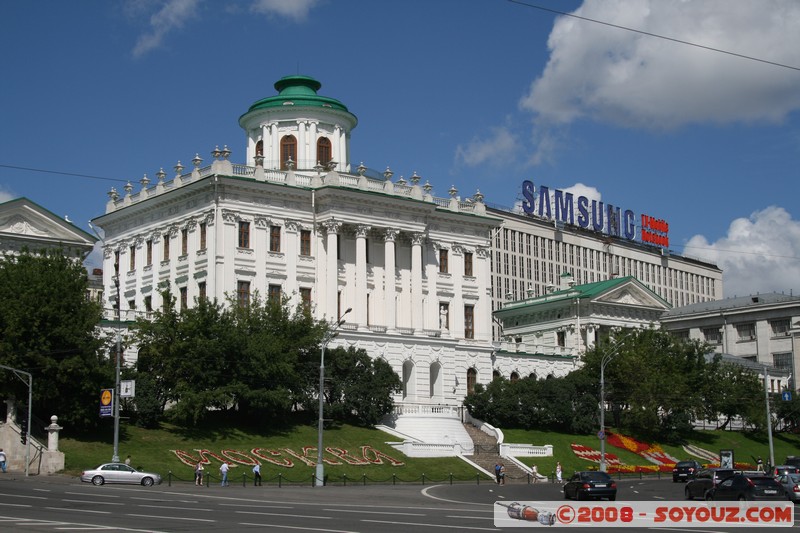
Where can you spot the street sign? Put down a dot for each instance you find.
(107, 402)
(787, 396)
(601, 434)
(127, 388)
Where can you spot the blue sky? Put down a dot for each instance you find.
(480, 94)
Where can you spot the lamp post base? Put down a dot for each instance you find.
(319, 476)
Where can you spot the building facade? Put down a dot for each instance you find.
(763, 329)
(295, 221)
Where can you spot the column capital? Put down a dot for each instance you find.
(417, 238)
(362, 230)
(390, 234)
(332, 226)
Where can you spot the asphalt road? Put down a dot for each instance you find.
(58, 503)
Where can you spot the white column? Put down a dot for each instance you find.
(417, 312)
(274, 146)
(361, 276)
(389, 285)
(339, 150)
(291, 249)
(311, 141)
(483, 310)
(332, 228)
(302, 146)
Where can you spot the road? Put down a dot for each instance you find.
(38, 504)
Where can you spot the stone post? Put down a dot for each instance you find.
(52, 434)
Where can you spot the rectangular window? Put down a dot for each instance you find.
(244, 234)
(561, 338)
(116, 263)
(443, 261)
(780, 328)
(201, 289)
(469, 321)
(243, 293)
(166, 247)
(184, 241)
(274, 238)
(274, 293)
(184, 292)
(305, 297)
(132, 253)
(468, 263)
(149, 253)
(712, 335)
(746, 332)
(148, 305)
(782, 361)
(202, 235)
(305, 242)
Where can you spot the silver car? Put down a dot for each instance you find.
(119, 473)
(791, 482)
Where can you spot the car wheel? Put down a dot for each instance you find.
(147, 482)
(612, 498)
(98, 480)
(709, 497)
(688, 494)
(566, 496)
(742, 498)
(580, 495)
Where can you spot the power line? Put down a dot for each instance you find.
(650, 34)
(64, 173)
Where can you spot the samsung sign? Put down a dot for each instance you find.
(593, 215)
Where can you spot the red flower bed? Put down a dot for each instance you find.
(584, 452)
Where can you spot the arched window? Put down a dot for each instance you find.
(324, 151)
(514, 377)
(495, 375)
(288, 150)
(260, 148)
(532, 375)
(472, 378)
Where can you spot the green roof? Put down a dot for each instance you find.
(298, 91)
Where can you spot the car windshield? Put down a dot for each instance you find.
(685, 464)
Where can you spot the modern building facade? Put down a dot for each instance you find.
(762, 329)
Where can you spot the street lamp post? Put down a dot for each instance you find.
(607, 357)
(115, 456)
(319, 476)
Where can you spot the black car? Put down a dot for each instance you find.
(590, 484)
(685, 470)
(745, 487)
(704, 481)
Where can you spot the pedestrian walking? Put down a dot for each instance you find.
(224, 471)
(502, 474)
(497, 472)
(257, 475)
(558, 472)
(198, 473)
(128, 460)
(2, 460)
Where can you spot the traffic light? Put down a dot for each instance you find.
(23, 430)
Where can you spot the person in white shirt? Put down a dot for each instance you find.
(224, 471)
(257, 475)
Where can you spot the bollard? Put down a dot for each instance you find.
(451, 478)
(169, 479)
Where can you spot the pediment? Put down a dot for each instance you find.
(24, 220)
(631, 293)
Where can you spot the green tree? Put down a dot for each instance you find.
(48, 328)
(732, 390)
(358, 388)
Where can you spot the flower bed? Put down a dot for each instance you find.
(589, 454)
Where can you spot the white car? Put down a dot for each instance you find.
(119, 473)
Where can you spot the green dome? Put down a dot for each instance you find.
(298, 91)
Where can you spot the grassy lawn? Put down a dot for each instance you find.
(151, 450)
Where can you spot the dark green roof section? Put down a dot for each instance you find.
(585, 291)
(298, 91)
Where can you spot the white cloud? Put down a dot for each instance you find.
(759, 254)
(496, 148)
(621, 77)
(292, 9)
(6, 196)
(172, 15)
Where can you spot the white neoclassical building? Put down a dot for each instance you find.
(297, 219)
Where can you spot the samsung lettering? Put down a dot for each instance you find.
(593, 215)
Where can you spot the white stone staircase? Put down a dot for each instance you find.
(429, 430)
